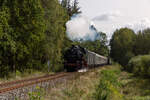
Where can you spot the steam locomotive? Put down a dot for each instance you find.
(77, 58)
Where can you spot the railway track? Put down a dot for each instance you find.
(9, 86)
(21, 88)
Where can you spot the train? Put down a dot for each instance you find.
(77, 57)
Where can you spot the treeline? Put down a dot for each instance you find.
(125, 44)
(32, 32)
(22, 28)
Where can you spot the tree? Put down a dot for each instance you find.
(75, 7)
(27, 19)
(55, 17)
(21, 32)
(103, 50)
(32, 32)
(71, 8)
(122, 45)
(142, 42)
(7, 43)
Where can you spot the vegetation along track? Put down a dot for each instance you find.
(9, 86)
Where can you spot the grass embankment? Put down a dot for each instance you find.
(107, 83)
(25, 75)
(135, 88)
(79, 88)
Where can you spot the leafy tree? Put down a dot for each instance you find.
(142, 42)
(122, 45)
(21, 32)
(27, 20)
(103, 50)
(7, 43)
(55, 17)
(32, 32)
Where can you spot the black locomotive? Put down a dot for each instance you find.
(75, 58)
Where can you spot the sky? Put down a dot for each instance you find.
(109, 15)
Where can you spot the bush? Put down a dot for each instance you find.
(108, 87)
(140, 65)
(37, 95)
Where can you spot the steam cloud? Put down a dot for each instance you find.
(80, 28)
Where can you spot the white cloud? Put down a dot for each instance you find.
(139, 25)
(107, 16)
(110, 20)
(110, 26)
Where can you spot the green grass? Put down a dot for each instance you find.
(25, 75)
(135, 88)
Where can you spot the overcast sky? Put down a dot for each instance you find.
(108, 15)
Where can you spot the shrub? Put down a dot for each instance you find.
(140, 65)
(37, 95)
(108, 87)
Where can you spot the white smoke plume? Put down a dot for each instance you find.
(79, 28)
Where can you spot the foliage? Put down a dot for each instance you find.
(140, 65)
(56, 18)
(37, 95)
(32, 32)
(142, 42)
(122, 45)
(132, 87)
(71, 8)
(7, 43)
(21, 34)
(125, 44)
(108, 87)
